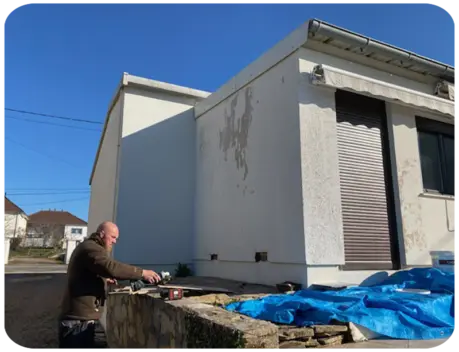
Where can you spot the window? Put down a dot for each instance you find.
(76, 231)
(436, 148)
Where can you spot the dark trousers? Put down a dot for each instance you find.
(81, 334)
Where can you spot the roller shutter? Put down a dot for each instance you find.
(363, 165)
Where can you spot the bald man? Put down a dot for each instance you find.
(90, 269)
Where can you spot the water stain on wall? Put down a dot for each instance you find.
(414, 237)
(236, 131)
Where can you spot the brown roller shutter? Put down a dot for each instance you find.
(363, 165)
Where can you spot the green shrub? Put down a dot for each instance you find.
(183, 270)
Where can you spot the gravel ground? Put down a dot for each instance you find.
(32, 305)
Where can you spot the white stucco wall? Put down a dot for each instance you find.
(427, 221)
(4, 252)
(103, 183)
(15, 225)
(156, 180)
(68, 232)
(248, 184)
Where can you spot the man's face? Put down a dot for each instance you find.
(109, 236)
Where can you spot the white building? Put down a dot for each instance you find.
(47, 227)
(15, 220)
(329, 158)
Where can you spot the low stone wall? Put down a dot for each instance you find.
(142, 320)
(314, 336)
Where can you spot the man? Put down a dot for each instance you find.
(90, 269)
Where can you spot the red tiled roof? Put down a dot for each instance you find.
(55, 217)
(12, 208)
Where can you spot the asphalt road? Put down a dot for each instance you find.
(35, 269)
(20, 265)
(32, 303)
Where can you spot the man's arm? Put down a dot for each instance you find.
(99, 261)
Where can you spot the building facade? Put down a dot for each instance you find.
(52, 228)
(15, 220)
(330, 158)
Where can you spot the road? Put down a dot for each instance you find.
(34, 266)
(32, 303)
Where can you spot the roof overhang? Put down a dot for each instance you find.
(147, 85)
(362, 45)
(321, 32)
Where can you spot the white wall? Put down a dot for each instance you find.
(15, 225)
(320, 172)
(156, 180)
(4, 251)
(248, 185)
(103, 183)
(70, 247)
(427, 222)
(68, 232)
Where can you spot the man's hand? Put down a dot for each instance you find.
(150, 276)
(112, 281)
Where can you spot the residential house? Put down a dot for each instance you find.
(329, 158)
(15, 220)
(49, 228)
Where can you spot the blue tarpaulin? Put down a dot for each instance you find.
(381, 308)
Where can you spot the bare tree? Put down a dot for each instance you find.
(11, 228)
(51, 235)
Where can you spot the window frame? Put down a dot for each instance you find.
(76, 233)
(440, 130)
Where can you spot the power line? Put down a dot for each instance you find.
(40, 153)
(54, 116)
(45, 193)
(48, 189)
(54, 202)
(50, 123)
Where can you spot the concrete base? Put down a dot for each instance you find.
(394, 344)
(4, 250)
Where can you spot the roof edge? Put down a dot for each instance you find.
(280, 51)
(21, 211)
(299, 38)
(432, 67)
(153, 85)
(85, 223)
(107, 117)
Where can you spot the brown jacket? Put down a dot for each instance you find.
(89, 265)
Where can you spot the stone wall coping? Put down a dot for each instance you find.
(215, 314)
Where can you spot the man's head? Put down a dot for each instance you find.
(109, 233)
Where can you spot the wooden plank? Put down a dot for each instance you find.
(193, 288)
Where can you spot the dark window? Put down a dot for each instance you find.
(76, 231)
(436, 148)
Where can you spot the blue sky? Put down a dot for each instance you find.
(66, 60)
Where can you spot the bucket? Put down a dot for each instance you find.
(444, 260)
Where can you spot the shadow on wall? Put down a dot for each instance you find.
(155, 193)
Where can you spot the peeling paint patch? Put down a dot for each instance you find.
(236, 132)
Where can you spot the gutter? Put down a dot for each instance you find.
(368, 46)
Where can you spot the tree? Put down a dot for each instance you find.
(11, 228)
(52, 235)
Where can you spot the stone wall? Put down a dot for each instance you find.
(143, 320)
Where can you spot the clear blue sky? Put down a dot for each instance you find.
(66, 60)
